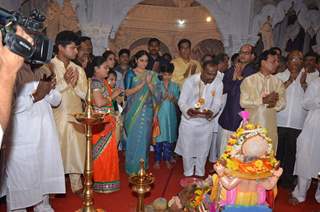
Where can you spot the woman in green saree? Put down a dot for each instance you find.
(138, 113)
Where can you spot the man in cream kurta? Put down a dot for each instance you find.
(308, 145)
(184, 66)
(72, 84)
(34, 167)
(263, 94)
(195, 132)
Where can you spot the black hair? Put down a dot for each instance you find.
(65, 38)
(283, 60)
(213, 62)
(184, 40)
(96, 62)
(107, 53)
(275, 48)
(264, 56)
(112, 72)
(124, 51)
(84, 38)
(255, 54)
(220, 57)
(167, 55)
(207, 55)
(234, 57)
(151, 40)
(135, 57)
(167, 68)
(311, 54)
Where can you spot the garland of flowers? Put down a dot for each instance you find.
(233, 157)
(197, 201)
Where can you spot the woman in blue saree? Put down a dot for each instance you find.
(138, 113)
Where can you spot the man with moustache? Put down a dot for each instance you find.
(184, 66)
(310, 66)
(199, 102)
(155, 60)
(72, 84)
(263, 95)
(291, 119)
(229, 119)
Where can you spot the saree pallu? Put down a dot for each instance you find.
(138, 120)
(105, 157)
(138, 140)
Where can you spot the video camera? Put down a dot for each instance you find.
(38, 53)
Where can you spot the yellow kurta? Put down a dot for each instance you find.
(180, 67)
(253, 88)
(71, 134)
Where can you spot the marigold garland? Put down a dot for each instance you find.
(232, 156)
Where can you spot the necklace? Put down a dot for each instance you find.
(201, 100)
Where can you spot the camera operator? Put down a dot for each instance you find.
(10, 63)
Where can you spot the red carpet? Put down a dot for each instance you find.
(167, 185)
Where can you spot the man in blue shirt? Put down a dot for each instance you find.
(230, 118)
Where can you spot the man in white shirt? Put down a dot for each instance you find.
(34, 166)
(291, 119)
(308, 146)
(10, 63)
(199, 102)
(310, 66)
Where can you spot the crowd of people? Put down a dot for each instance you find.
(178, 106)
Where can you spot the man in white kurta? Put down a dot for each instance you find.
(291, 119)
(34, 164)
(308, 145)
(195, 131)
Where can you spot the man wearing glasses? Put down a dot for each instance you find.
(230, 119)
(291, 119)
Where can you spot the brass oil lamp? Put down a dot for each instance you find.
(88, 118)
(141, 184)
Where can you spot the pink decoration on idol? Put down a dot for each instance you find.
(245, 116)
(212, 207)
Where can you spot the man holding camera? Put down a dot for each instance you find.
(10, 64)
